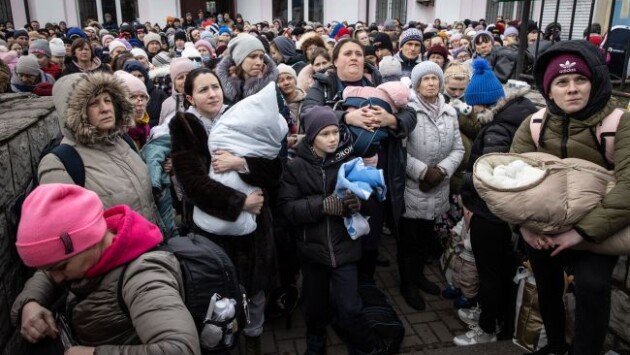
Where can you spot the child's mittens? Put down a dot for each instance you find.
(461, 107)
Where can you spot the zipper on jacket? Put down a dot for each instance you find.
(333, 262)
(565, 137)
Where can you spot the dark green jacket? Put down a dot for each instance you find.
(573, 136)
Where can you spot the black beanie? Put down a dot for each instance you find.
(317, 118)
(180, 35)
(383, 41)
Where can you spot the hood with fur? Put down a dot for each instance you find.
(235, 88)
(511, 93)
(71, 96)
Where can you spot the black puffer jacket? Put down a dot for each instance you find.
(496, 135)
(326, 91)
(307, 180)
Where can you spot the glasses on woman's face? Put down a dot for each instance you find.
(463, 57)
(139, 98)
(195, 59)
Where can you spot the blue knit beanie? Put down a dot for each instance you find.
(484, 87)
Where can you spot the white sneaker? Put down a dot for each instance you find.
(474, 336)
(469, 316)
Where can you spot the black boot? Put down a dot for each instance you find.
(425, 285)
(252, 346)
(315, 344)
(408, 288)
(412, 296)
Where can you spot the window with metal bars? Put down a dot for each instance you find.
(5, 11)
(386, 9)
(509, 11)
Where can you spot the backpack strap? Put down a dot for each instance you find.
(606, 131)
(130, 141)
(535, 124)
(72, 162)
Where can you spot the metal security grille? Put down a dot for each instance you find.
(578, 10)
(5, 11)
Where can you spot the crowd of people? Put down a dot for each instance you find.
(145, 107)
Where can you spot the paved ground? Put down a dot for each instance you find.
(428, 332)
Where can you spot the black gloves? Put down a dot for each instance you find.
(346, 206)
(432, 178)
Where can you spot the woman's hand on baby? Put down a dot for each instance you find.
(37, 323)
(223, 161)
(362, 118)
(384, 118)
(254, 202)
(565, 240)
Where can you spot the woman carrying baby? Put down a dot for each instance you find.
(573, 78)
(252, 254)
(491, 238)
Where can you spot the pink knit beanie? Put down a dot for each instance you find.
(360, 96)
(133, 84)
(58, 222)
(180, 65)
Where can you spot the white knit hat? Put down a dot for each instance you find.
(285, 69)
(115, 43)
(139, 52)
(390, 66)
(190, 51)
(57, 48)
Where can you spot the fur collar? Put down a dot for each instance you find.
(488, 115)
(234, 88)
(79, 93)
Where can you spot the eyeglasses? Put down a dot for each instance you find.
(195, 59)
(139, 98)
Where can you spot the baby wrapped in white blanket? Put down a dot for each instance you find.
(251, 128)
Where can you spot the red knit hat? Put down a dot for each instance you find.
(565, 64)
(58, 222)
(342, 32)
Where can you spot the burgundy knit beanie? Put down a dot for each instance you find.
(565, 64)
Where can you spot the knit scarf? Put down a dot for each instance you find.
(431, 108)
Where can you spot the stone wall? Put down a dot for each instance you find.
(27, 124)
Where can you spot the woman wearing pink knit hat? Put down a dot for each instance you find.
(88, 249)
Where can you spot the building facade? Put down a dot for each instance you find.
(74, 12)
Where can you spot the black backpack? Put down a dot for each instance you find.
(71, 161)
(382, 317)
(208, 275)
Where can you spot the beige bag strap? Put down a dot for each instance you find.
(606, 133)
(535, 124)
